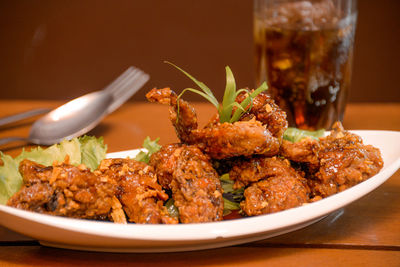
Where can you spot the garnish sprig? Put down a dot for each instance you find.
(226, 110)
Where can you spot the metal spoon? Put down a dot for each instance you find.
(82, 114)
(70, 120)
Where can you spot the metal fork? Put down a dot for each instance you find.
(121, 89)
(126, 85)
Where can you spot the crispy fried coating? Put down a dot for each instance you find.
(164, 163)
(141, 196)
(247, 171)
(273, 185)
(344, 162)
(242, 138)
(117, 215)
(305, 151)
(219, 140)
(187, 120)
(336, 162)
(267, 112)
(195, 185)
(64, 190)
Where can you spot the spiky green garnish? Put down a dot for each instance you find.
(225, 109)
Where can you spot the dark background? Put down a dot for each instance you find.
(62, 49)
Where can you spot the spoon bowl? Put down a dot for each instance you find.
(71, 120)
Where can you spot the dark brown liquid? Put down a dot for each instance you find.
(308, 71)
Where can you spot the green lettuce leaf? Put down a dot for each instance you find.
(93, 150)
(151, 148)
(10, 178)
(56, 152)
(294, 135)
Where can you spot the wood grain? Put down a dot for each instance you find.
(232, 256)
(365, 232)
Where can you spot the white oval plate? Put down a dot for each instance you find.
(105, 236)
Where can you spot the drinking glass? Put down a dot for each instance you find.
(304, 50)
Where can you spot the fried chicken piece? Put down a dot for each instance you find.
(141, 196)
(164, 162)
(267, 112)
(218, 140)
(187, 120)
(304, 151)
(64, 190)
(247, 171)
(195, 186)
(344, 162)
(273, 185)
(336, 162)
(242, 138)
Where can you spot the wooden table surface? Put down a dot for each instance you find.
(364, 233)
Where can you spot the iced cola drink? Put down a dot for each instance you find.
(304, 50)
